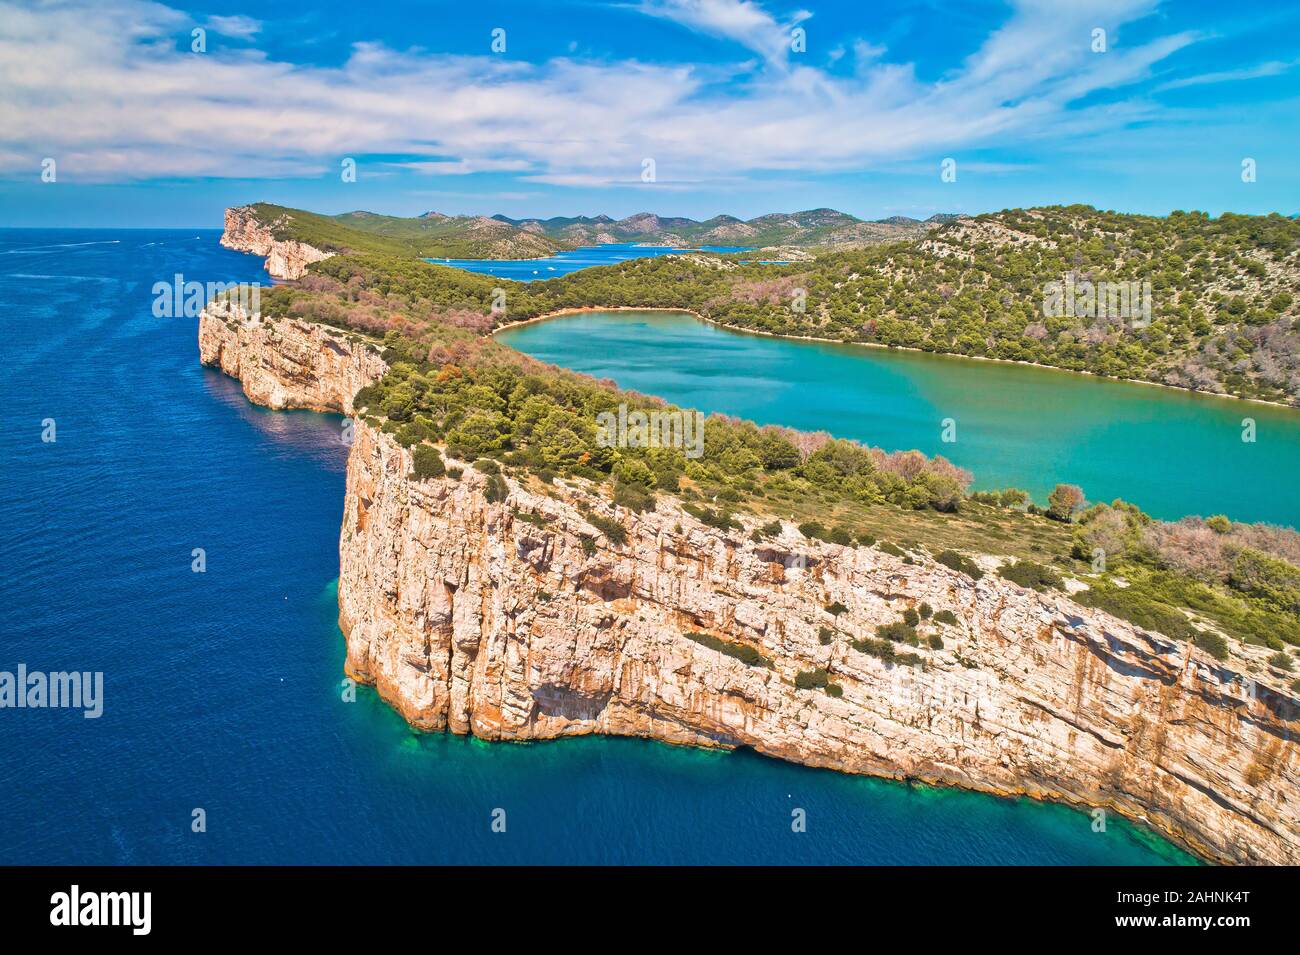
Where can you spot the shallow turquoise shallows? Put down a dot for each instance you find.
(223, 690)
(1171, 452)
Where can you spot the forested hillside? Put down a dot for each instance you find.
(1224, 297)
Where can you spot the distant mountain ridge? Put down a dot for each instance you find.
(446, 236)
(429, 236)
(810, 227)
(436, 235)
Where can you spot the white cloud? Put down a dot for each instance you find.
(136, 104)
(238, 26)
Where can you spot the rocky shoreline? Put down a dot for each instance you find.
(521, 620)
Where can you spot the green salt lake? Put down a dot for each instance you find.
(1172, 452)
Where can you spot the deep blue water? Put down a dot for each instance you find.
(562, 263)
(222, 688)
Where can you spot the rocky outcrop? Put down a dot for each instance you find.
(285, 258)
(521, 620)
(287, 363)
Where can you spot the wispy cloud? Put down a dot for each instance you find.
(1271, 68)
(114, 104)
(463, 167)
(741, 21)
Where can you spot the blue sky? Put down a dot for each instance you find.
(146, 132)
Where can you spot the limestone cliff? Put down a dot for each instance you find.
(287, 363)
(285, 258)
(520, 620)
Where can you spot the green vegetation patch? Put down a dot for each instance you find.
(898, 632)
(531, 517)
(815, 679)
(739, 651)
(960, 563)
(1138, 607)
(887, 650)
(1035, 576)
(612, 529)
(428, 463)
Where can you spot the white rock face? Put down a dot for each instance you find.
(468, 618)
(284, 259)
(287, 363)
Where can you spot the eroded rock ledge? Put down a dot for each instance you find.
(470, 618)
(285, 259)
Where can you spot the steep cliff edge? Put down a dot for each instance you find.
(285, 259)
(521, 620)
(287, 363)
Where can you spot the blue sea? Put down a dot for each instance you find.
(562, 263)
(222, 689)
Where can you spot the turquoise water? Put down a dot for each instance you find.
(562, 263)
(1171, 452)
(222, 689)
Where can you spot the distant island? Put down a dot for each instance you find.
(509, 571)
